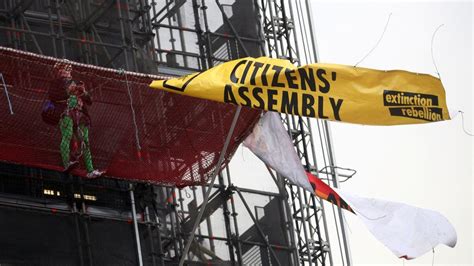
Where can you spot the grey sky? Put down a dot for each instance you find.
(429, 166)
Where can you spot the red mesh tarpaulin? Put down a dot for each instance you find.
(136, 132)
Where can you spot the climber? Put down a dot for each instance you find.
(71, 99)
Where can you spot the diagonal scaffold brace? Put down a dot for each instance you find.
(7, 95)
(224, 149)
(210, 185)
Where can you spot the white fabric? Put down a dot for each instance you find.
(270, 142)
(406, 230)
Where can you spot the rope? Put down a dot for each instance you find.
(455, 114)
(432, 56)
(123, 72)
(463, 127)
(33, 100)
(136, 74)
(432, 260)
(372, 219)
(377, 44)
(439, 75)
(187, 193)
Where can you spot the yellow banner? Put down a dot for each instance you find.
(326, 91)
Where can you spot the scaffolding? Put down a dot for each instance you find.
(149, 224)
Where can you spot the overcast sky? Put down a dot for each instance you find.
(430, 165)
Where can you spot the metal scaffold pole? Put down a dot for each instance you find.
(335, 179)
(135, 226)
(175, 38)
(282, 20)
(211, 184)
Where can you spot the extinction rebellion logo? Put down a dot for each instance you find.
(413, 105)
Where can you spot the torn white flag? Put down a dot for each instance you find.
(408, 231)
(270, 142)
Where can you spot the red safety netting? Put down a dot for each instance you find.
(135, 133)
